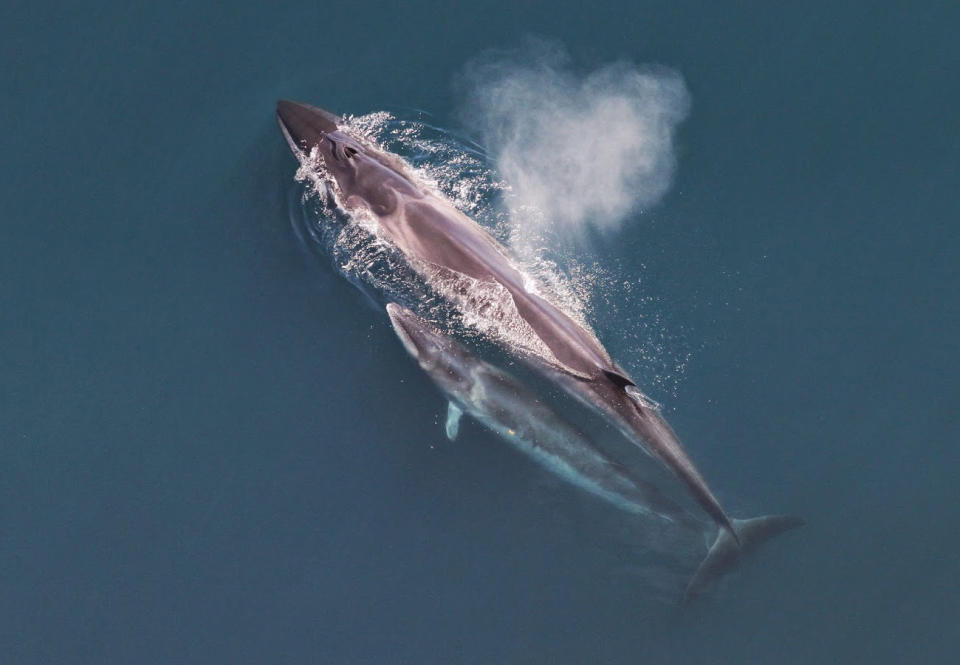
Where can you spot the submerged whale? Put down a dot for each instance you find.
(434, 236)
(506, 407)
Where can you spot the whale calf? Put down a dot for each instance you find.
(434, 236)
(506, 407)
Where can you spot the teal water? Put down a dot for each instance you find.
(214, 450)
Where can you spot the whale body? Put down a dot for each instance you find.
(506, 407)
(435, 237)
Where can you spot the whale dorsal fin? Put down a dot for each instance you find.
(454, 413)
(618, 379)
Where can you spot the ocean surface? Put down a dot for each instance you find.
(214, 450)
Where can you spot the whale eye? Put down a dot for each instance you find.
(350, 152)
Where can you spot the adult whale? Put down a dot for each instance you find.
(434, 235)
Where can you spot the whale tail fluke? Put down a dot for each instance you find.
(725, 553)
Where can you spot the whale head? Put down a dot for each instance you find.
(422, 341)
(445, 361)
(362, 173)
(308, 128)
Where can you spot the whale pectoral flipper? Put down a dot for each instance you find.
(454, 413)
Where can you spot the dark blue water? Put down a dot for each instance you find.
(213, 450)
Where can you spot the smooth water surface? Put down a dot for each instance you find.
(213, 450)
